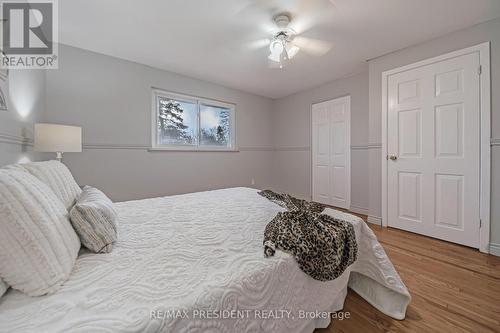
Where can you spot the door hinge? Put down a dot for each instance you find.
(479, 70)
(480, 223)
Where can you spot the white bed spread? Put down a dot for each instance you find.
(193, 255)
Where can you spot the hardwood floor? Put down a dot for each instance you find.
(453, 288)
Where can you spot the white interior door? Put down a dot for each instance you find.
(331, 152)
(433, 142)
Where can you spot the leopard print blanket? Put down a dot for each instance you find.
(323, 246)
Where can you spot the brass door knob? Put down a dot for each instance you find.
(393, 157)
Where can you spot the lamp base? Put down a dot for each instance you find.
(59, 156)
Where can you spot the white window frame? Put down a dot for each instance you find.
(198, 101)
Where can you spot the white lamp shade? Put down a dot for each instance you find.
(58, 138)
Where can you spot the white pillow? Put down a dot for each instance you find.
(38, 246)
(14, 167)
(3, 287)
(58, 177)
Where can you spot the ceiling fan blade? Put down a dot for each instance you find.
(312, 46)
(301, 24)
(258, 44)
(309, 13)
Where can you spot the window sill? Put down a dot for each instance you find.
(191, 150)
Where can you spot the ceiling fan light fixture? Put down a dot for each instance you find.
(291, 50)
(281, 47)
(276, 57)
(276, 46)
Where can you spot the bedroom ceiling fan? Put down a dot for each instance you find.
(286, 41)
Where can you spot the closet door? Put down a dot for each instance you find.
(433, 170)
(331, 158)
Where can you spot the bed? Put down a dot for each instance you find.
(195, 263)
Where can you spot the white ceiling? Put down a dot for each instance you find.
(210, 39)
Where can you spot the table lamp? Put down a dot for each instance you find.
(59, 139)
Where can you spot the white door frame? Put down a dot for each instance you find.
(347, 143)
(485, 114)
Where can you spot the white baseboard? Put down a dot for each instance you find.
(495, 249)
(359, 210)
(374, 219)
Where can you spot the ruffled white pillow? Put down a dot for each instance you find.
(38, 246)
(3, 287)
(58, 177)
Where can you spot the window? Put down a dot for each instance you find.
(190, 123)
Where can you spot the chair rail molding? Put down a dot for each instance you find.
(367, 146)
(15, 139)
(135, 146)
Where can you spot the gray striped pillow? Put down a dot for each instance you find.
(94, 219)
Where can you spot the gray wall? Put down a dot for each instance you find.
(292, 138)
(488, 31)
(111, 99)
(26, 106)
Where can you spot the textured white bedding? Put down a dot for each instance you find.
(193, 252)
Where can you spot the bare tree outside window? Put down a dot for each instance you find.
(176, 122)
(214, 126)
